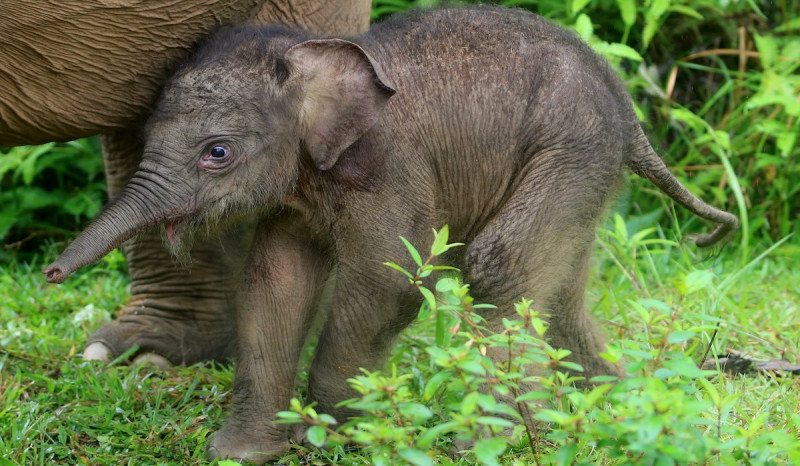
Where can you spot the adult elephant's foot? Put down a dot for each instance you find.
(248, 444)
(177, 314)
(165, 338)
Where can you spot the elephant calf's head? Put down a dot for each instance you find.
(229, 134)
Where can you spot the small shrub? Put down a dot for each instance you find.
(666, 411)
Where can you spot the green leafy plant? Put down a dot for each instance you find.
(400, 425)
(667, 411)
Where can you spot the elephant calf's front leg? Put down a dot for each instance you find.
(274, 312)
(370, 307)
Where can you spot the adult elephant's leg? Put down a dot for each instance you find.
(177, 315)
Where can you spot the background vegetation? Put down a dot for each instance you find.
(716, 83)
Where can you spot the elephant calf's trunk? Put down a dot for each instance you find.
(76, 256)
(56, 274)
(110, 229)
(86, 249)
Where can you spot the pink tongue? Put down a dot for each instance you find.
(170, 228)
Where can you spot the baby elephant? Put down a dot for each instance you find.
(494, 121)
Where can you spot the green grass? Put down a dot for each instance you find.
(54, 407)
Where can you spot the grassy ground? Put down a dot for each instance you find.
(55, 408)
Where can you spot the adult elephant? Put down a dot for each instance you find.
(77, 68)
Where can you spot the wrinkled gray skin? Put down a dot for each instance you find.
(493, 121)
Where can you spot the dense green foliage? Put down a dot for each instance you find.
(48, 192)
(716, 83)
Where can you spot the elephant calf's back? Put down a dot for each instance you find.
(487, 95)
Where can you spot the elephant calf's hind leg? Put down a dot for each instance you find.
(540, 251)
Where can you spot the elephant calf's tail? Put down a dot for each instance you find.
(646, 163)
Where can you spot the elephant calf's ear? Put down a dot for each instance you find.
(345, 93)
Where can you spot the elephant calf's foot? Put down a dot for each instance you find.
(164, 338)
(246, 445)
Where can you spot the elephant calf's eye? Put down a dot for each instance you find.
(216, 156)
(218, 152)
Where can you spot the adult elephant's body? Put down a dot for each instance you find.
(77, 68)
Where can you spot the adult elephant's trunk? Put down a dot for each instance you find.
(143, 204)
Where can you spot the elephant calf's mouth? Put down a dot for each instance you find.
(171, 227)
(179, 234)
